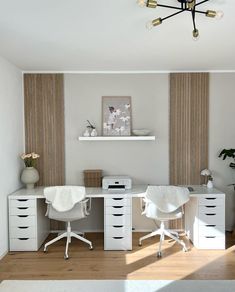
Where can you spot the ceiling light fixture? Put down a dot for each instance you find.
(184, 6)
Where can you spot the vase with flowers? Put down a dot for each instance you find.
(30, 174)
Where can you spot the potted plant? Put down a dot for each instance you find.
(30, 174)
(229, 153)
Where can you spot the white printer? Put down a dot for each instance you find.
(117, 182)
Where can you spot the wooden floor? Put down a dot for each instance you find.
(140, 263)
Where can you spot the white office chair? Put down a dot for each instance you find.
(164, 203)
(67, 204)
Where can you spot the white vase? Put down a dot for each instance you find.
(94, 133)
(86, 133)
(209, 184)
(29, 177)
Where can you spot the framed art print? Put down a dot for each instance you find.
(116, 115)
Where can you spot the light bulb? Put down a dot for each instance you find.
(219, 14)
(196, 35)
(141, 3)
(149, 25)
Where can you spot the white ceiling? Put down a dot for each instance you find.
(110, 35)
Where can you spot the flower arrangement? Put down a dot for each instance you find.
(30, 159)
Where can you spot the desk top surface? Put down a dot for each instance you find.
(137, 191)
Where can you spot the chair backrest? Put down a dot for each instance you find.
(76, 213)
(65, 203)
(167, 199)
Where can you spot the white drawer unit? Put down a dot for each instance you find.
(28, 225)
(205, 220)
(117, 223)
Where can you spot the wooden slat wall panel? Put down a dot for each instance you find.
(44, 125)
(189, 110)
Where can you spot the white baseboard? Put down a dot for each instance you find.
(3, 255)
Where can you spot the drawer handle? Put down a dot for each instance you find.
(210, 225)
(210, 198)
(117, 214)
(210, 206)
(207, 214)
(118, 199)
(23, 216)
(23, 238)
(117, 226)
(210, 236)
(22, 208)
(117, 237)
(22, 200)
(23, 227)
(117, 207)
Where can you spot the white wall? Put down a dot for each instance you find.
(145, 162)
(222, 135)
(11, 145)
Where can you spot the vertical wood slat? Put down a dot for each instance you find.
(189, 109)
(44, 125)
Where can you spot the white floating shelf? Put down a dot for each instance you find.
(117, 138)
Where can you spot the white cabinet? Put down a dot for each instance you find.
(117, 223)
(205, 221)
(28, 225)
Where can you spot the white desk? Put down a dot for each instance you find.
(204, 217)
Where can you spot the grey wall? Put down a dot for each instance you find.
(11, 145)
(222, 135)
(145, 161)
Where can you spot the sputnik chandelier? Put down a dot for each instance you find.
(190, 6)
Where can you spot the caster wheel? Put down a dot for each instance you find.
(45, 250)
(159, 254)
(66, 257)
(185, 249)
(140, 244)
(91, 248)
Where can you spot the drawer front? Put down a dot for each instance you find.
(117, 230)
(22, 220)
(23, 244)
(22, 203)
(211, 218)
(211, 209)
(117, 201)
(22, 211)
(118, 210)
(23, 232)
(213, 242)
(211, 230)
(208, 201)
(118, 219)
(118, 243)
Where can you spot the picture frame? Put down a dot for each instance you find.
(116, 116)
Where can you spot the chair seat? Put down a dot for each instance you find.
(161, 216)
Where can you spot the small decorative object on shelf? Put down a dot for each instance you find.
(141, 132)
(90, 130)
(30, 174)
